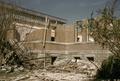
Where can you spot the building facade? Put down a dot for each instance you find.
(43, 34)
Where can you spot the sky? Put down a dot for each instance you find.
(71, 10)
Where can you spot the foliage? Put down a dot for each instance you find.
(11, 51)
(106, 31)
(109, 69)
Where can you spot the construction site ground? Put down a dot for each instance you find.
(65, 70)
(41, 75)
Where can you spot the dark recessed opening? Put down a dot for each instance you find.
(53, 60)
(90, 58)
(78, 39)
(77, 58)
(52, 38)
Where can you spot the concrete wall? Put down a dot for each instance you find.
(69, 34)
(65, 38)
(65, 44)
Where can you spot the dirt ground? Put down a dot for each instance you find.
(65, 70)
(48, 76)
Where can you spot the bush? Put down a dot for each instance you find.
(109, 69)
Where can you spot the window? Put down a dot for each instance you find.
(53, 59)
(90, 58)
(77, 58)
(79, 38)
(52, 38)
(52, 35)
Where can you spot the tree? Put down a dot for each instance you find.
(106, 31)
(11, 52)
(109, 69)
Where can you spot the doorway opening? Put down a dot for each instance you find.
(77, 58)
(53, 58)
(90, 59)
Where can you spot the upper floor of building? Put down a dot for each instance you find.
(34, 26)
(27, 16)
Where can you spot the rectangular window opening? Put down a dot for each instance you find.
(90, 59)
(52, 38)
(53, 59)
(77, 59)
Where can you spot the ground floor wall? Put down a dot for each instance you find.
(53, 51)
(53, 56)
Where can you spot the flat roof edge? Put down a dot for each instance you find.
(32, 12)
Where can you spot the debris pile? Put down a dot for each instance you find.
(48, 76)
(63, 70)
(70, 66)
(13, 56)
(9, 69)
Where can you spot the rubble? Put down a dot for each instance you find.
(21, 78)
(70, 66)
(9, 69)
(67, 70)
(48, 76)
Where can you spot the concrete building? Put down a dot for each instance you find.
(68, 42)
(45, 34)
